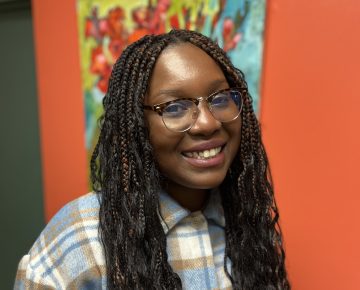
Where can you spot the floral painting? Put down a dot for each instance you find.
(106, 27)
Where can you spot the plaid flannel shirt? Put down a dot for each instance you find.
(69, 255)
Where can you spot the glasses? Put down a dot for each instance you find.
(180, 115)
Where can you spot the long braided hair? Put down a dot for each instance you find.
(125, 175)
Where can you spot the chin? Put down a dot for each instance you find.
(208, 182)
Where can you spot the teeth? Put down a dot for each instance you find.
(206, 154)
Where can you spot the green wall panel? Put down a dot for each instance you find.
(21, 198)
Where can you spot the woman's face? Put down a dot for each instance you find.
(184, 70)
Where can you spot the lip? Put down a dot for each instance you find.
(205, 146)
(218, 160)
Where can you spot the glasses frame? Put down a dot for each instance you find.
(159, 108)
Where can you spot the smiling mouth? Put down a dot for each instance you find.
(205, 154)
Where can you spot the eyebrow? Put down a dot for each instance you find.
(178, 92)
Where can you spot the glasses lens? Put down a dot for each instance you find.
(179, 116)
(226, 105)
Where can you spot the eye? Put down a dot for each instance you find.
(177, 109)
(236, 97)
(220, 101)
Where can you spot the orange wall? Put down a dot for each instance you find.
(62, 119)
(310, 115)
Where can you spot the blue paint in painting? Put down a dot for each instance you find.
(247, 55)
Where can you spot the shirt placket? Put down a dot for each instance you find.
(198, 247)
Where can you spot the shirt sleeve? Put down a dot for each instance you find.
(68, 253)
(26, 277)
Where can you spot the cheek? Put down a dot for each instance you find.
(234, 131)
(154, 124)
(163, 141)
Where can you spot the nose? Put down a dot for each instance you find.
(205, 123)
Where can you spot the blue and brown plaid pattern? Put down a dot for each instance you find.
(69, 255)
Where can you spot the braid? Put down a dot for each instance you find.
(124, 173)
(252, 230)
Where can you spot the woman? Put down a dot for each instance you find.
(183, 191)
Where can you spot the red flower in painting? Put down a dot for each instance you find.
(100, 66)
(230, 36)
(112, 28)
(115, 20)
(95, 27)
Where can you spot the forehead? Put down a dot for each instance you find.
(184, 68)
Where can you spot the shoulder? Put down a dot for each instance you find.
(83, 212)
(75, 222)
(68, 249)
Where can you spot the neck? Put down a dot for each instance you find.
(190, 198)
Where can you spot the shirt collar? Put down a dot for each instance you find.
(171, 213)
(214, 210)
